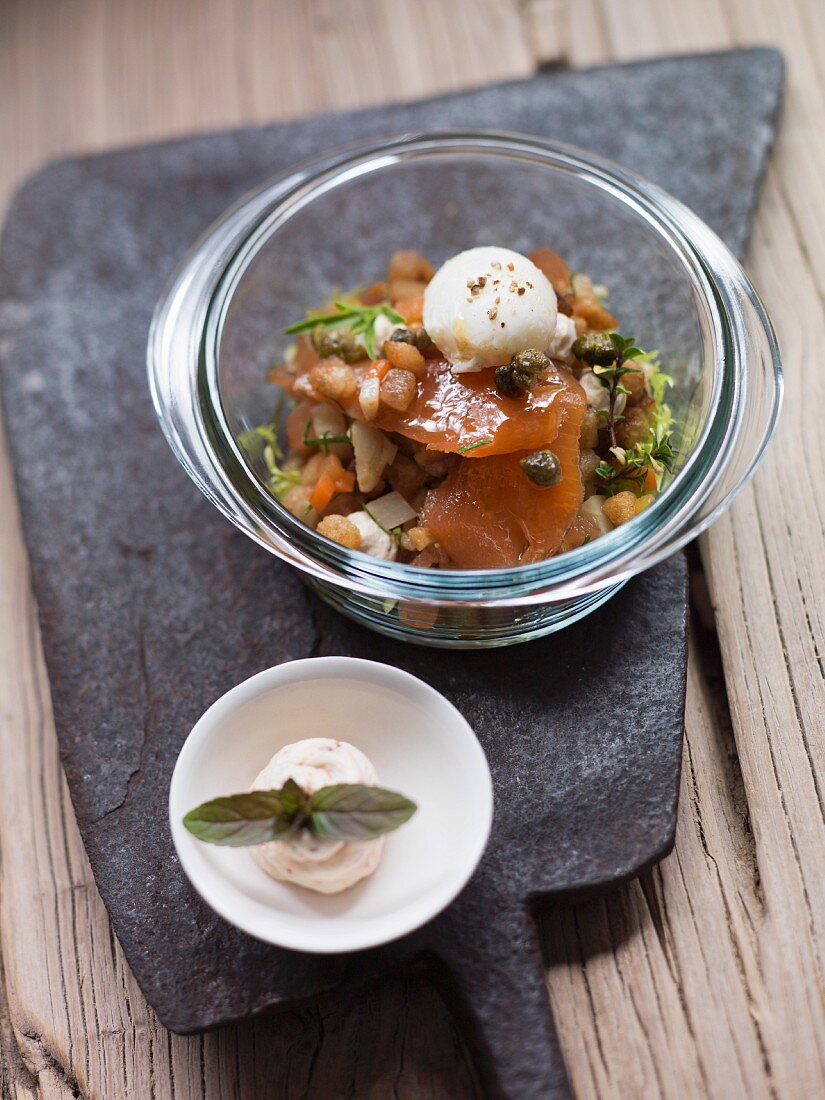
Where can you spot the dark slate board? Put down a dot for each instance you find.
(151, 605)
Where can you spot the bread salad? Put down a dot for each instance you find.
(484, 415)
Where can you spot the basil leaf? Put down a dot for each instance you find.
(293, 798)
(352, 811)
(346, 811)
(239, 820)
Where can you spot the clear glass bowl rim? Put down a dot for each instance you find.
(189, 320)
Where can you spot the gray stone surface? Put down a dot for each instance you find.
(151, 605)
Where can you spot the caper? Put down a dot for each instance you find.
(418, 337)
(339, 342)
(522, 372)
(595, 348)
(543, 468)
(506, 382)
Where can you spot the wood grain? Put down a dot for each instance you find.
(704, 978)
(745, 883)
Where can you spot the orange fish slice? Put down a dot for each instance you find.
(487, 514)
(466, 413)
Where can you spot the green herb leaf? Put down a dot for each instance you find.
(608, 375)
(293, 798)
(473, 446)
(351, 811)
(254, 441)
(325, 320)
(352, 315)
(625, 346)
(656, 453)
(279, 480)
(342, 811)
(606, 472)
(262, 443)
(240, 819)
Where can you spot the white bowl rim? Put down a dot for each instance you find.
(304, 669)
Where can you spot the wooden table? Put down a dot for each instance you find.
(703, 978)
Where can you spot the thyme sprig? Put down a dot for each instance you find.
(351, 315)
(610, 377)
(632, 465)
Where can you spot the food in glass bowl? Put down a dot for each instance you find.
(485, 415)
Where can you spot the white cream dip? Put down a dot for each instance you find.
(327, 866)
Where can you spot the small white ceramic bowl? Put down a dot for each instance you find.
(420, 745)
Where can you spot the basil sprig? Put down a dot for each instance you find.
(341, 811)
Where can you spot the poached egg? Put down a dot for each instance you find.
(486, 304)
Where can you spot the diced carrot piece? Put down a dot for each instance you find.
(650, 485)
(323, 493)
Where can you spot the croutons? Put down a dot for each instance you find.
(634, 382)
(588, 464)
(590, 429)
(405, 476)
(593, 511)
(340, 530)
(587, 306)
(554, 267)
(334, 379)
(634, 427)
(405, 356)
(373, 294)
(620, 508)
(403, 289)
(296, 500)
(409, 265)
(417, 538)
(398, 388)
(411, 308)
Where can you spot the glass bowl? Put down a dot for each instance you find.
(333, 222)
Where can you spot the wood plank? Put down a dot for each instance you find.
(667, 991)
(751, 811)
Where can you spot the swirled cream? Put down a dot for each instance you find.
(328, 866)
